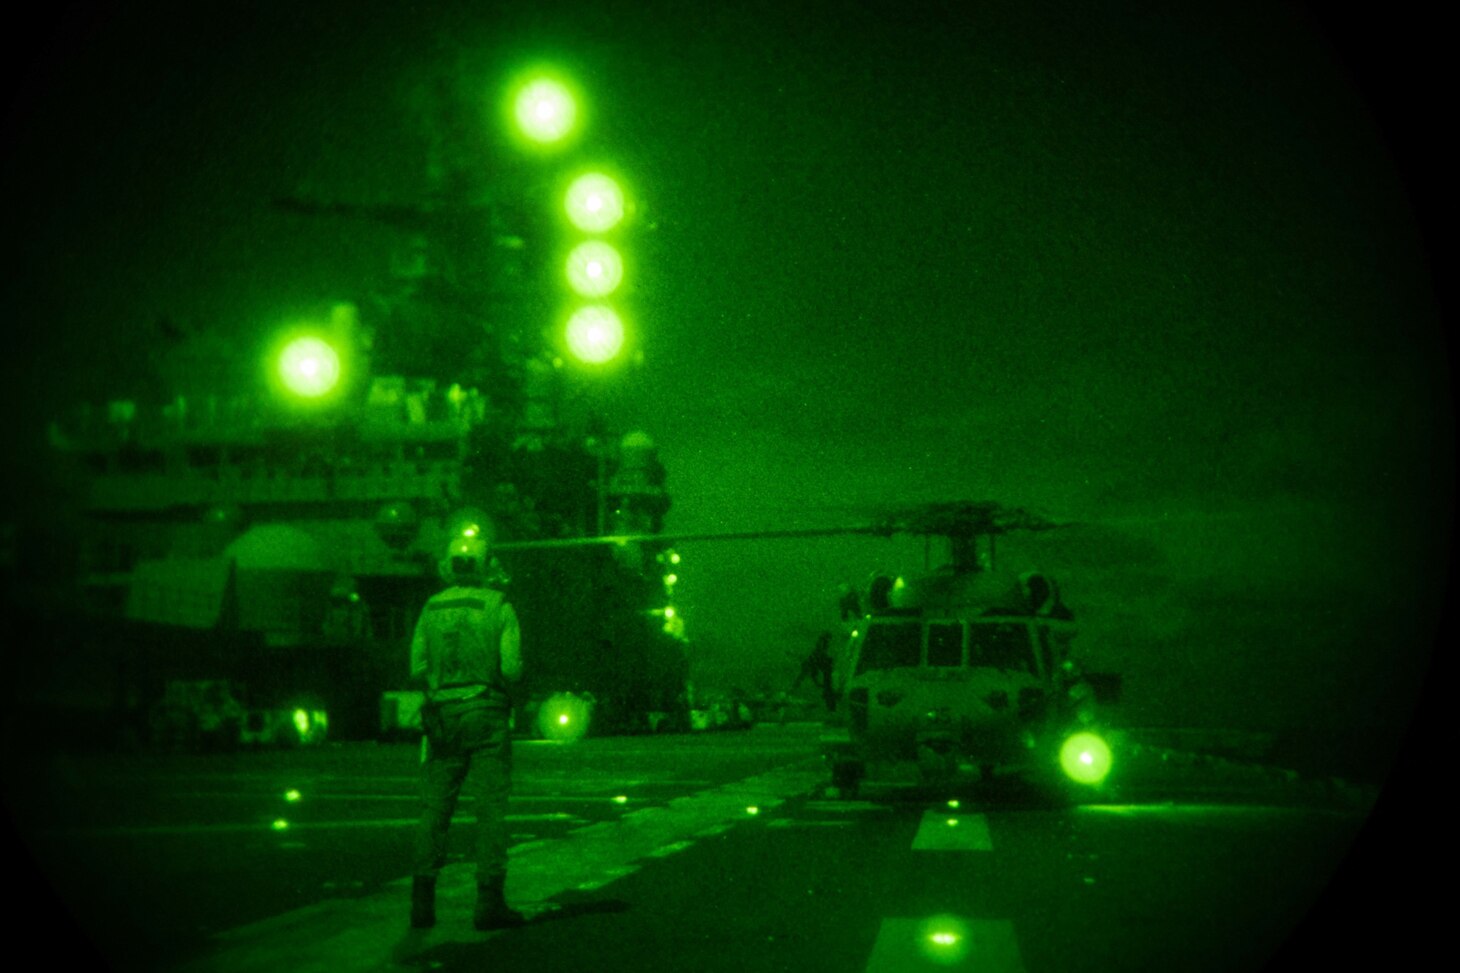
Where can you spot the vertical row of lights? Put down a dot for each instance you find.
(546, 113)
(673, 621)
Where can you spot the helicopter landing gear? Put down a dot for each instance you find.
(846, 778)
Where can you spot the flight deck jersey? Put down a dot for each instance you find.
(467, 643)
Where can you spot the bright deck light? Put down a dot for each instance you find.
(309, 367)
(595, 269)
(1085, 758)
(545, 110)
(595, 334)
(595, 203)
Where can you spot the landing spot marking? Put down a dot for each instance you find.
(670, 849)
(953, 832)
(906, 945)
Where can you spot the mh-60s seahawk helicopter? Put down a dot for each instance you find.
(967, 668)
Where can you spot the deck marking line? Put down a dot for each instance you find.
(953, 832)
(356, 935)
(668, 850)
(265, 827)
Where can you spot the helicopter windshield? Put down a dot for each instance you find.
(890, 647)
(1001, 645)
(945, 645)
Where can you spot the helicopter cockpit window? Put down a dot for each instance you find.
(890, 647)
(945, 645)
(1002, 645)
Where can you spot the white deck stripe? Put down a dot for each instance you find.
(306, 797)
(266, 827)
(907, 945)
(953, 832)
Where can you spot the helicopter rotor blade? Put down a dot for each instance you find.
(621, 540)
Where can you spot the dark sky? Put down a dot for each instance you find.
(1150, 269)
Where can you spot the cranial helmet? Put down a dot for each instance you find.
(465, 561)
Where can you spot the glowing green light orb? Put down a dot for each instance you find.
(1085, 758)
(564, 717)
(595, 269)
(280, 824)
(545, 110)
(309, 367)
(595, 334)
(944, 941)
(595, 203)
(301, 721)
(291, 796)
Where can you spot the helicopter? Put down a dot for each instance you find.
(967, 667)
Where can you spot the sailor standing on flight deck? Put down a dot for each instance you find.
(467, 652)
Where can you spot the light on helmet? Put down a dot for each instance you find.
(466, 560)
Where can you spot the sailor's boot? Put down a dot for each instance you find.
(491, 911)
(423, 901)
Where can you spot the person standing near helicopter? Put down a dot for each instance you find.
(818, 668)
(467, 652)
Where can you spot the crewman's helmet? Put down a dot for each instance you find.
(465, 561)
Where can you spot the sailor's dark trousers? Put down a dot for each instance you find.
(469, 735)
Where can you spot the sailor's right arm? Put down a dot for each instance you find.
(511, 646)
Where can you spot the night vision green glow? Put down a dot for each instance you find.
(280, 825)
(301, 721)
(595, 269)
(595, 203)
(309, 367)
(545, 110)
(595, 334)
(944, 940)
(1085, 758)
(563, 717)
(291, 796)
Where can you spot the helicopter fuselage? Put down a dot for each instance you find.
(952, 691)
